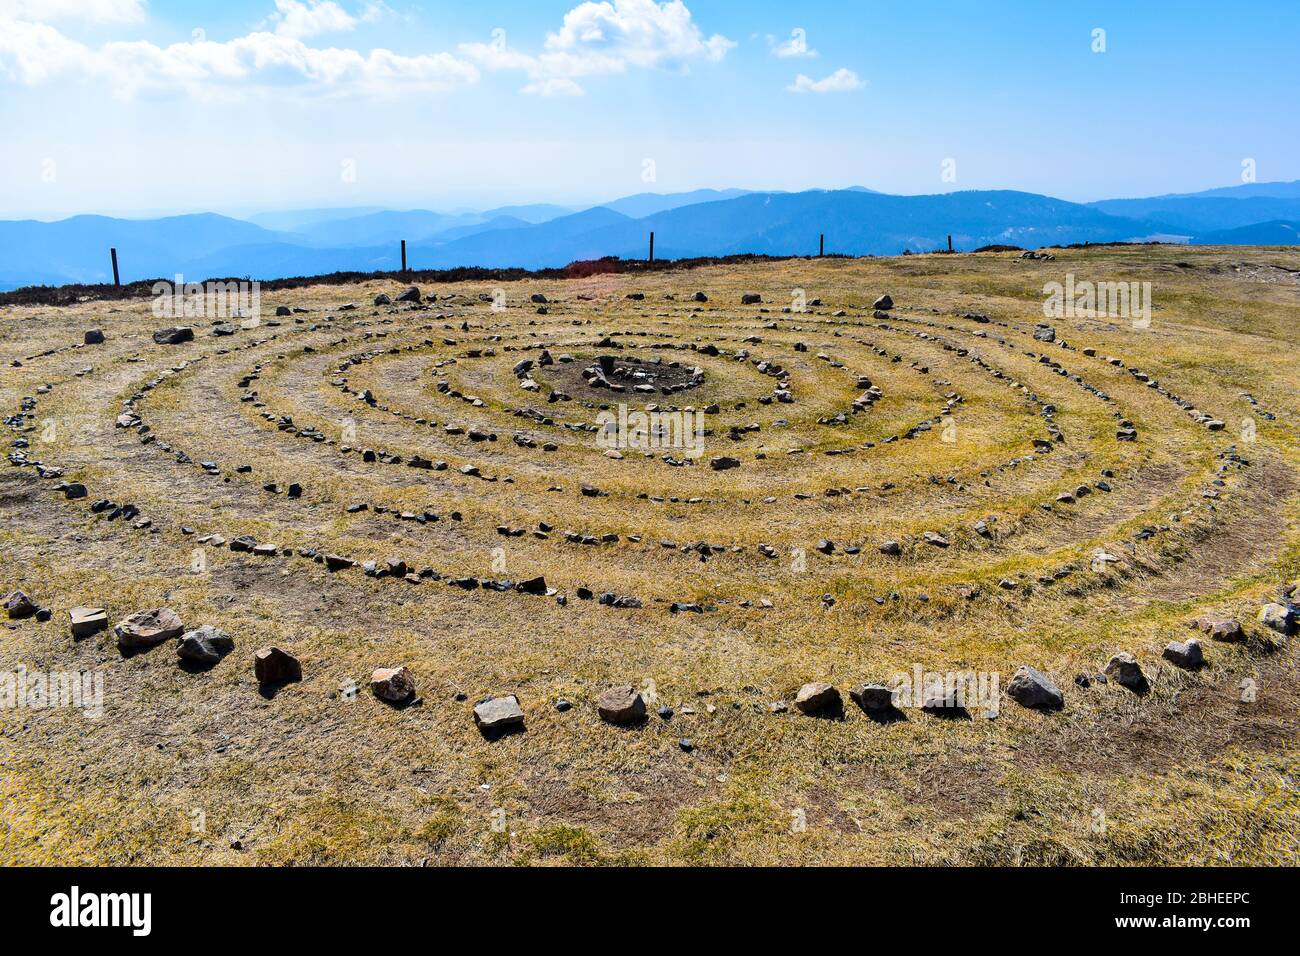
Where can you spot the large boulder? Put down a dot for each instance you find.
(884, 303)
(497, 713)
(411, 294)
(174, 335)
(94, 337)
(621, 704)
(147, 628)
(1032, 688)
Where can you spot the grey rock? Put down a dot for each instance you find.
(1124, 670)
(174, 335)
(873, 698)
(204, 645)
(1032, 688)
(1277, 617)
(1186, 654)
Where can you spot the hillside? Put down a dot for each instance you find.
(638, 569)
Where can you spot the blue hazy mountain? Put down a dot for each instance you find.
(1289, 190)
(647, 204)
(76, 249)
(1195, 214)
(1276, 233)
(292, 220)
(856, 221)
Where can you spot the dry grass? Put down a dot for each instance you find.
(196, 768)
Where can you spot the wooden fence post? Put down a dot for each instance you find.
(403, 256)
(652, 246)
(117, 281)
(821, 246)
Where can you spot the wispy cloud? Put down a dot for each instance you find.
(299, 20)
(605, 38)
(32, 53)
(796, 46)
(594, 39)
(841, 81)
(85, 11)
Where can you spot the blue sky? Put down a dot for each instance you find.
(121, 107)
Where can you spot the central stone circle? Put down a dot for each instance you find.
(596, 378)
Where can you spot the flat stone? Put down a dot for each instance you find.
(147, 628)
(87, 621)
(498, 712)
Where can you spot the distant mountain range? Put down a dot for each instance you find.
(707, 222)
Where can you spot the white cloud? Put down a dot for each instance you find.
(299, 20)
(796, 46)
(606, 38)
(85, 11)
(595, 38)
(32, 53)
(841, 81)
